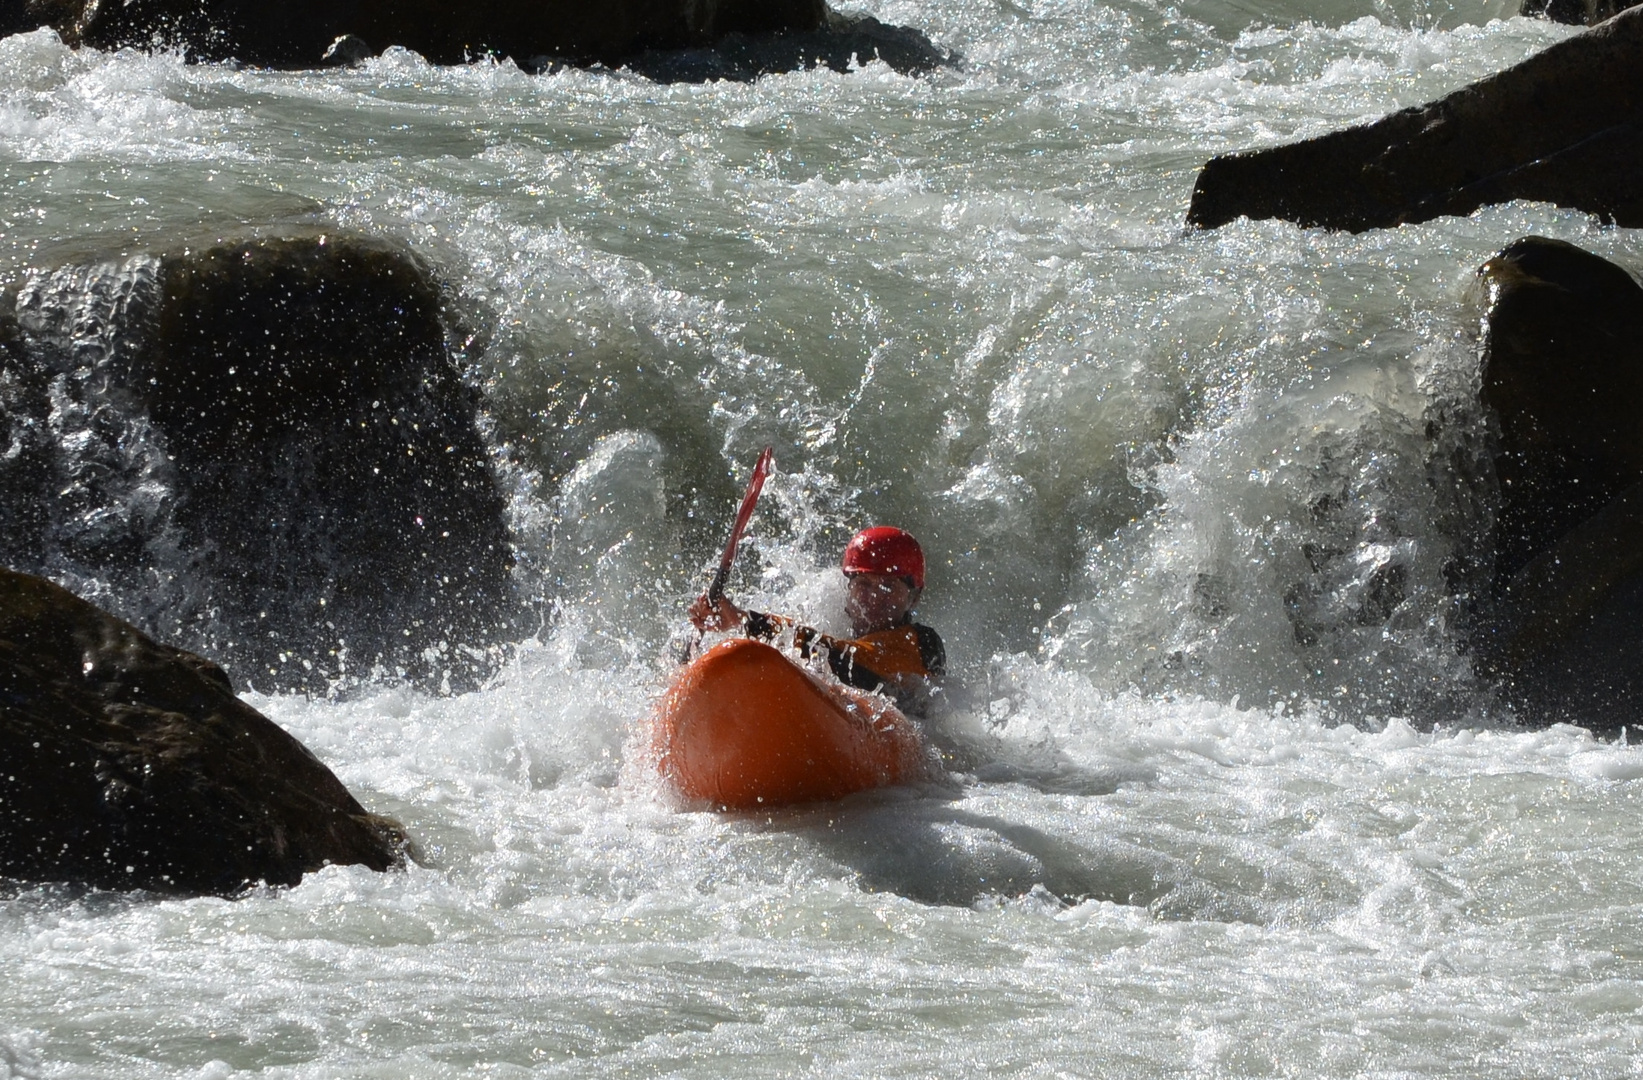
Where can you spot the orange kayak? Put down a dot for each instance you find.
(743, 726)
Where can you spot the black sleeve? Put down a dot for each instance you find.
(756, 624)
(845, 668)
(931, 649)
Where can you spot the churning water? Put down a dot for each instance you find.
(1203, 510)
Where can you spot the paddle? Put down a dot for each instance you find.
(755, 484)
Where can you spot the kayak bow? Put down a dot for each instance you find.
(743, 727)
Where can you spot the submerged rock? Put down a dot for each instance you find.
(1562, 127)
(261, 448)
(297, 33)
(1563, 376)
(131, 765)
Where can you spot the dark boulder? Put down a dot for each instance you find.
(349, 50)
(1563, 378)
(1563, 373)
(262, 449)
(25, 447)
(1564, 126)
(1574, 12)
(843, 42)
(126, 764)
(297, 33)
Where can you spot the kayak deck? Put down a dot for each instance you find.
(743, 726)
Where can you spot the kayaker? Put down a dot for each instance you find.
(884, 574)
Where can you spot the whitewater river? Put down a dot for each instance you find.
(1226, 799)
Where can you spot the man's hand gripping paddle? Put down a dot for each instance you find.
(755, 484)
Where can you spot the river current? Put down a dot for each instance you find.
(1226, 798)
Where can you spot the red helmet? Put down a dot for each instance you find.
(884, 549)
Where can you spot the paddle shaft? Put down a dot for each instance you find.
(750, 499)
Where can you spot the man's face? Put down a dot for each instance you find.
(876, 601)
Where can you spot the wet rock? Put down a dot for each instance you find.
(1563, 377)
(1574, 12)
(262, 449)
(25, 448)
(1566, 641)
(127, 764)
(20, 18)
(347, 51)
(1563, 373)
(296, 33)
(844, 41)
(1564, 126)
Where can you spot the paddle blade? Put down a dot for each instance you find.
(750, 499)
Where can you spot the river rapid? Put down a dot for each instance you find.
(1203, 510)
